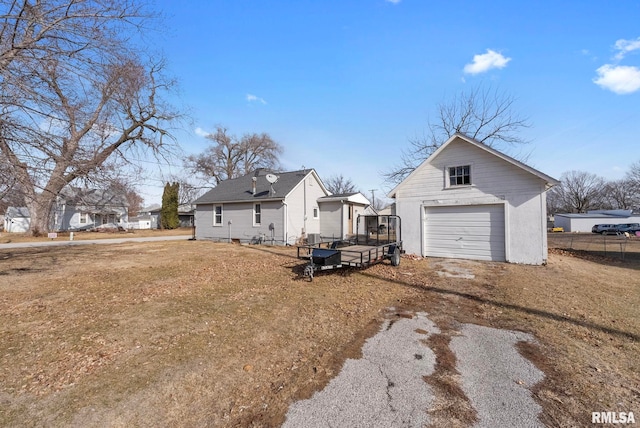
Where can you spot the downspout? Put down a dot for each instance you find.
(304, 186)
(285, 223)
(543, 210)
(343, 235)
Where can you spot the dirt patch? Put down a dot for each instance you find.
(195, 333)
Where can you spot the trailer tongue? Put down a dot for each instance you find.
(378, 237)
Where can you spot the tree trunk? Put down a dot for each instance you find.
(40, 209)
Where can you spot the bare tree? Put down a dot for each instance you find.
(578, 192)
(338, 184)
(189, 188)
(632, 179)
(75, 92)
(11, 193)
(485, 114)
(620, 194)
(134, 200)
(230, 157)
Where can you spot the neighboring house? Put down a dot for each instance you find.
(388, 210)
(80, 209)
(470, 201)
(339, 214)
(279, 208)
(584, 222)
(17, 220)
(144, 221)
(185, 215)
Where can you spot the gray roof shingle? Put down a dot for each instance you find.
(240, 189)
(17, 212)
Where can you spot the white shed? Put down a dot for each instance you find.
(17, 220)
(583, 222)
(339, 214)
(470, 201)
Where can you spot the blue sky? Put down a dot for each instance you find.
(344, 85)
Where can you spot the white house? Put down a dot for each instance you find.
(17, 220)
(470, 201)
(276, 207)
(80, 209)
(76, 209)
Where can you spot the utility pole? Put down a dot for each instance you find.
(373, 198)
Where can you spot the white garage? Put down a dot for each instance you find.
(470, 201)
(465, 232)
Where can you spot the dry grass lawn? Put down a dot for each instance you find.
(6, 238)
(192, 333)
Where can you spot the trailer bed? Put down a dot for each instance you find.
(351, 255)
(363, 250)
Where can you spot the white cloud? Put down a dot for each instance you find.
(253, 98)
(201, 132)
(485, 62)
(625, 46)
(620, 79)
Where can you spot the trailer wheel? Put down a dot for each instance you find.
(395, 258)
(308, 271)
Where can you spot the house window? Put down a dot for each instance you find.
(315, 212)
(83, 218)
(257, 214)
(217, 215)
(460, 175)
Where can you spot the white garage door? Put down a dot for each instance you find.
(466, 232)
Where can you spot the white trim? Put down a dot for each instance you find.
(221, 215)
(447, 177)
(255, 212)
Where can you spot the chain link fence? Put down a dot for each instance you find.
(614, 246)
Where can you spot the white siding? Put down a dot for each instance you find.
(17, 225)
(300, 204)
(331, 222)
(241, 228)
(494, 180)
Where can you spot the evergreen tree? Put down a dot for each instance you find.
(169, 213)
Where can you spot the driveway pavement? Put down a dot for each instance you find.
(385, 388)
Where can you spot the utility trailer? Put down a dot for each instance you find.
(377, 238)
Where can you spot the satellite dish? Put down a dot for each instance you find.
(272, 178)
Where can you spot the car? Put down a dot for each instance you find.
(603, 228)
(627, 227)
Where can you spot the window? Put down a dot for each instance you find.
(315, 212)
(217, 215)
(460, 175)
(257, 214)
(83, 218)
